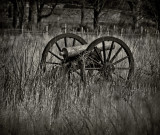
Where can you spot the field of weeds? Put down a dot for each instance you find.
(32, 103)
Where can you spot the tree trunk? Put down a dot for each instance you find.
(134, 18)
(15, 15)
(10, 11)
(158, 23)
(82, 13)
(39, 18)
(96, 20)
(32, 14)
(22, 14)
(21, 19)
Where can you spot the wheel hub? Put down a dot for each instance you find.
(108, 69)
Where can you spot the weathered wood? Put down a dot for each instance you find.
(76, 50)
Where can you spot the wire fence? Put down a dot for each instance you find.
(19, 31)
(84, 32)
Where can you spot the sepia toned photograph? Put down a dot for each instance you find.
(79, 67)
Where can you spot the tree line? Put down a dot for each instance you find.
(139, 9)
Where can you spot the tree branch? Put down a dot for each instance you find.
(41, 6)
(50, 13)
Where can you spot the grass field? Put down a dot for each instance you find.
(36, 104)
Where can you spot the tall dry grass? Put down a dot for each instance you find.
(36, 103)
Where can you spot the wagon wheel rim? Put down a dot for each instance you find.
(51, 55)
(116, 63)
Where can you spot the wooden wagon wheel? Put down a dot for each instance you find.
(51, 57)
(114, 63)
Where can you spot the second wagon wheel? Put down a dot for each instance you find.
(110, 58)
(51, 58)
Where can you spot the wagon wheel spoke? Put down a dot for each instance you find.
(104, 52)
(54, 63)
(95, 61)
(116, 54)
(92, 68)
(58, 47)
(110, 51)
(65, 41)
(50, 60)
(99, 56)
(122, 68)
(55, 56)
(120, 60)
(74, 41)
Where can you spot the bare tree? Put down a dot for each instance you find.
(151, 10)
(145, 8)
(15, 14)
(32, 18)
(83, 4)
(40, 8)
(18, 12)
(21, 10)
(135, 8)
(98, 6)
(38, 11)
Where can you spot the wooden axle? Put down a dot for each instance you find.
(76, 50)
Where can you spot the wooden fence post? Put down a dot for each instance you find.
(142, 31)
(82, 31)
(108, 31)
(157, 33)
(87, 33)
(46, 29)
(122, 30)
(22, 29)
(65, 28)
(114, 29)
(100, 30)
